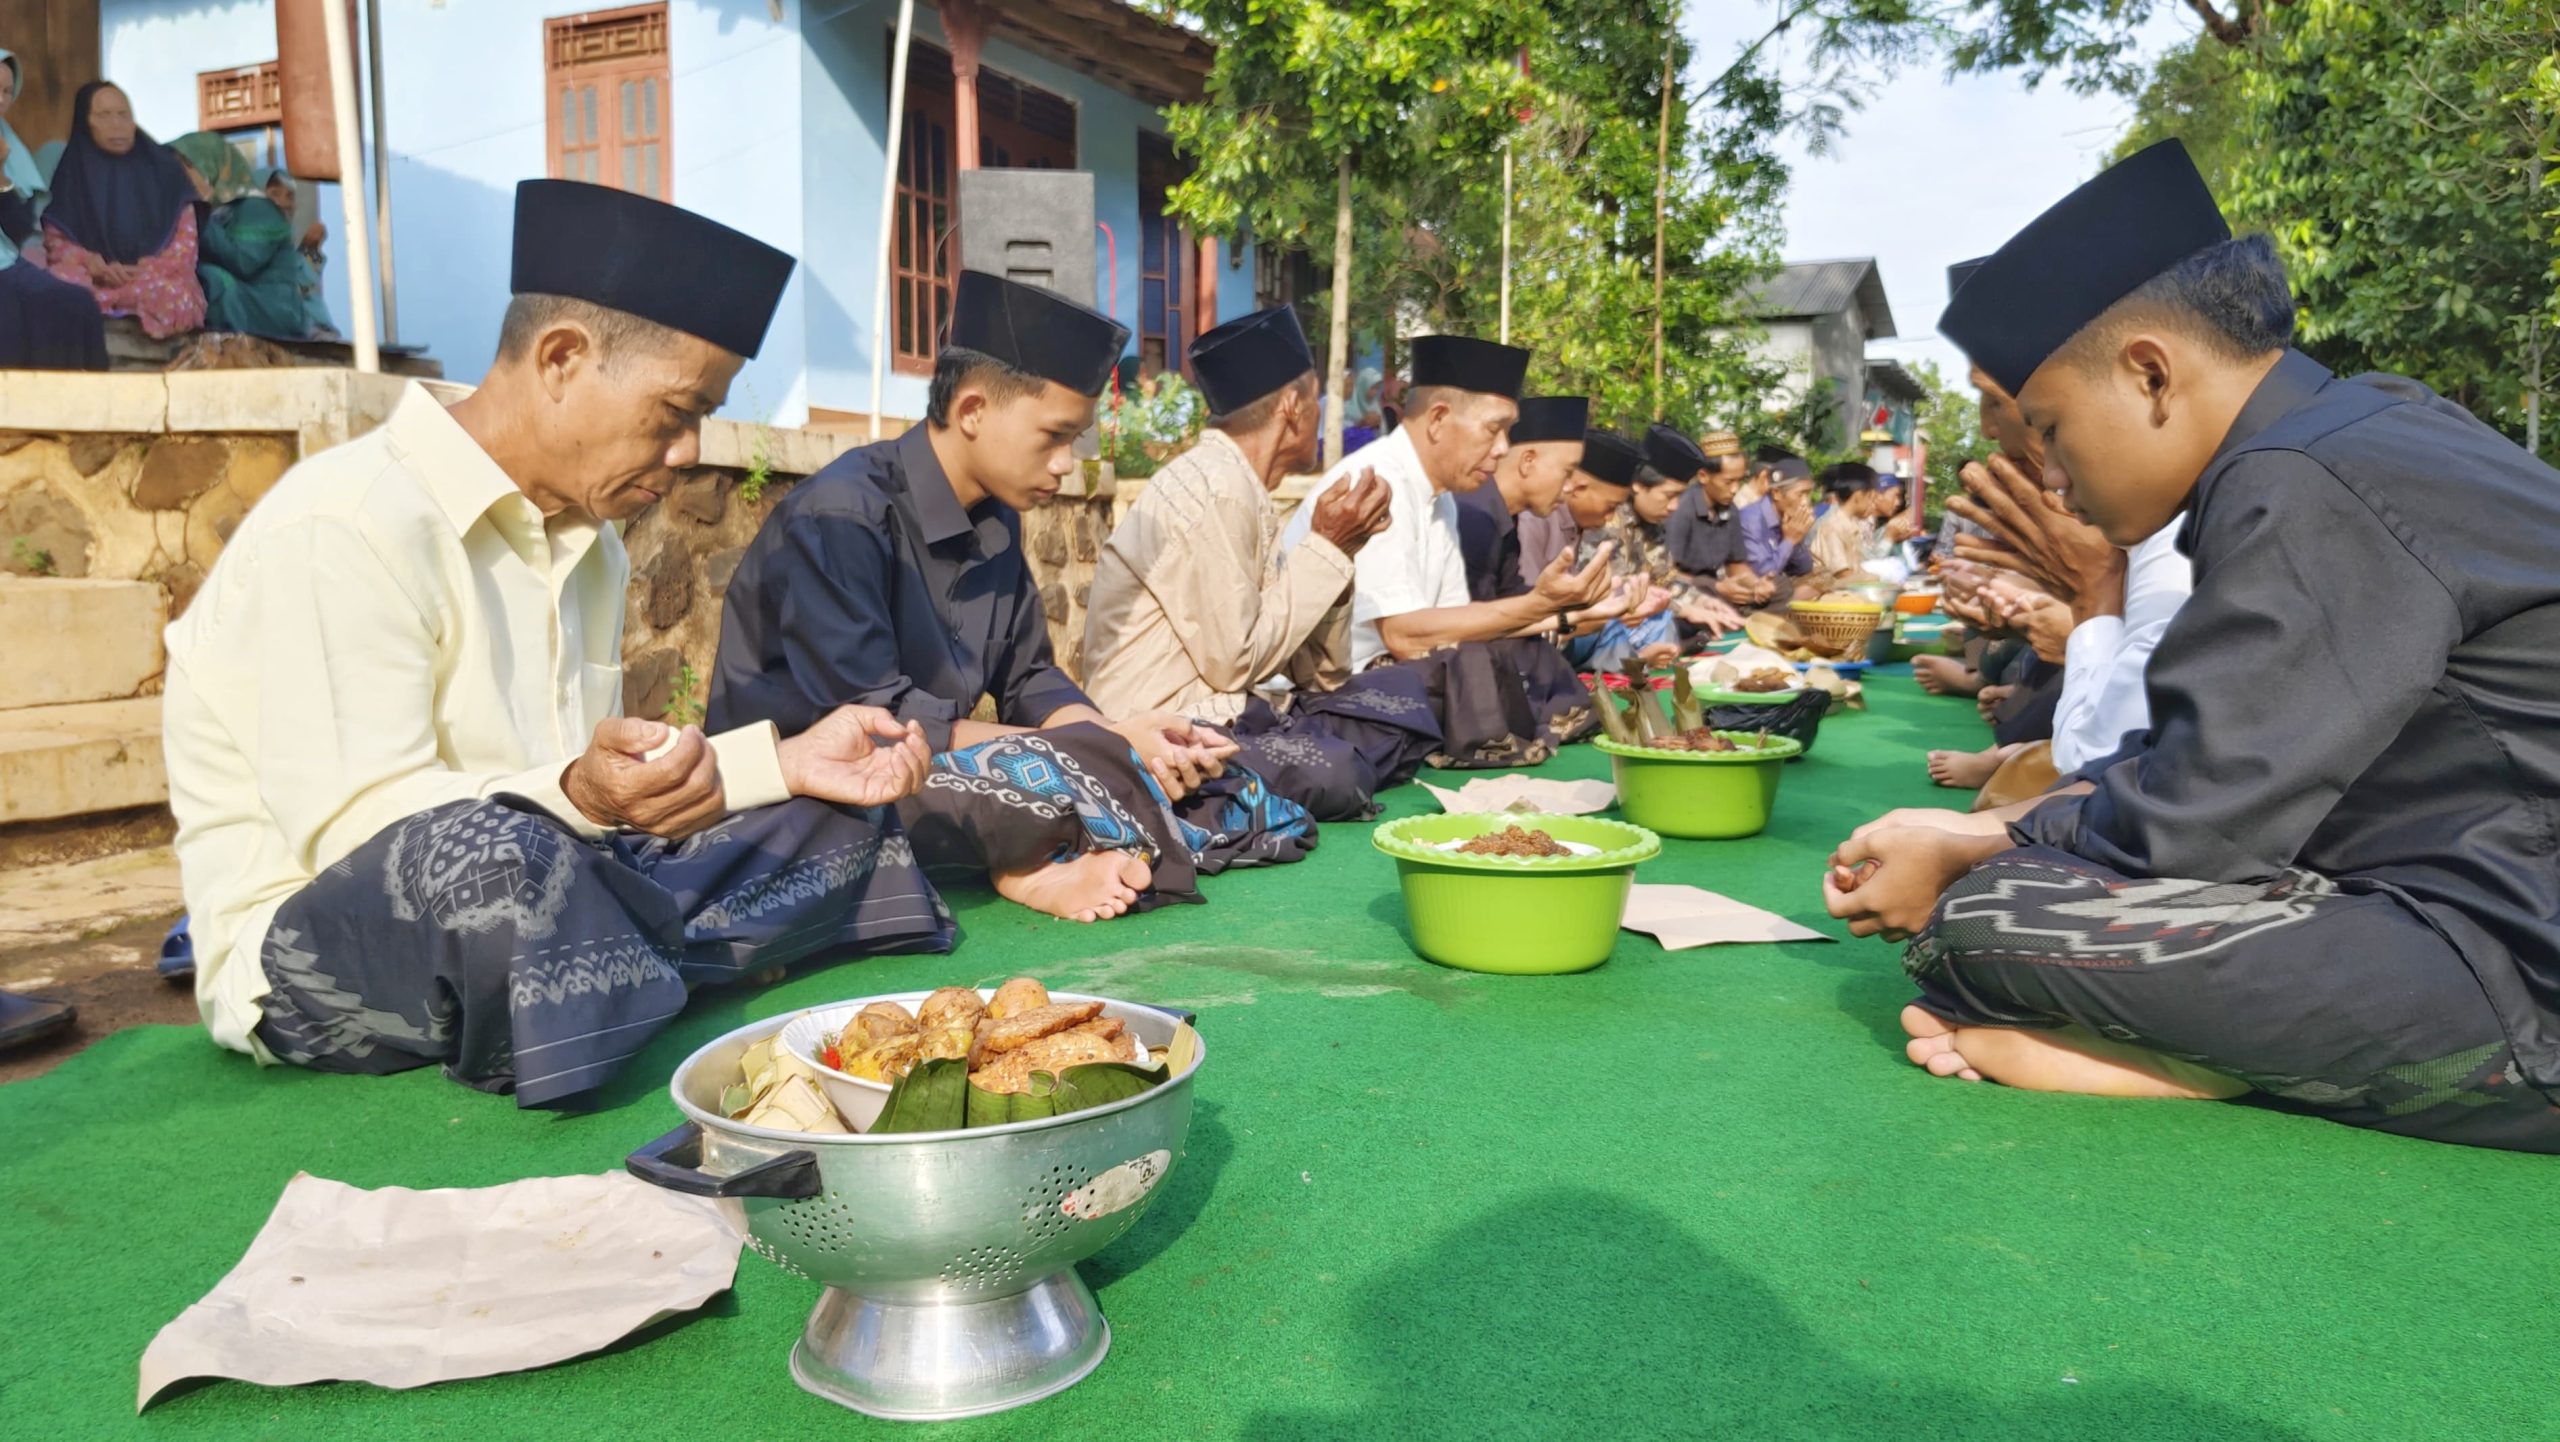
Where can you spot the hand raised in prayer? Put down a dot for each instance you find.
(1741, 590)
(857, 756)
(2032, 534)
(1645, 600)
(1348, 514)
(1795, 518)
(2017, 606)
(1886, 882)
(1178, 752)
(617, 782)
(1710, 614)
(1562, 588)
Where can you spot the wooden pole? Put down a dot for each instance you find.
(1506, 242)
(1661, 183)
(880, 341)
(381, 171)
(964, 25)
(360, 273)
(1338, 346)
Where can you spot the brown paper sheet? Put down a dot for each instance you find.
(1681, 917)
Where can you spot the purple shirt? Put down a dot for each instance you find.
(1764, 542)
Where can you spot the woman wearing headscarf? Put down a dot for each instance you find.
(122, 221)
(278, 187)
(44, 324)
(245, 256)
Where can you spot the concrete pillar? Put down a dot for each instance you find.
(965, 26)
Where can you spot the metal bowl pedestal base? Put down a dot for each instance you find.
(933, 1361)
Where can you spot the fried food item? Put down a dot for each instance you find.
(998, 1036)
(875, 1024)
(1512, 841)
(1699, 739)
(951, 1006)
(1011, 1070)
(1105, 1027)
(948, 1043)
(1016, 997)
(888, 1060)
(1766, 680)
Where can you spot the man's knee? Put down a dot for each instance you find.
(474, 866)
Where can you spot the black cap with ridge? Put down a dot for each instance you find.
(1962, 271)
(614, 249)
(1249, 358)
(1551, 418)
(1464, 363)
(1672, 453)
(1610, 458)
(2097, 245)
(1036, 330)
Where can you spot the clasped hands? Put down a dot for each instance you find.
(1177, 751)
(1887, 878)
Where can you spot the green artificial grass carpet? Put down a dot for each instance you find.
(1686, 1195)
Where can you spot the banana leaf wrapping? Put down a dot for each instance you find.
(937, 1096)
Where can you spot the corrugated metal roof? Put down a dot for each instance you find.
(1889, 377)
(1826, 287)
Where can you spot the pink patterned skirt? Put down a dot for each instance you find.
(164, 293)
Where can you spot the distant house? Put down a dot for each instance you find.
(1890, 420)
(1819, 316)
(769, 115)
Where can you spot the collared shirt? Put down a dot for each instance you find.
(1838, 542)
(2105, 659)
(1765, 548)
(2362, 684)
(1700, 537)
(869, 584)
(393, 628)
(1194, 605)
(1489, 539)
(1412, 565)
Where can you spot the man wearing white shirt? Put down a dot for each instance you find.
(412, 827)
(1409, 589)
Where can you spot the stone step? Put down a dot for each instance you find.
(74, 640)
(81, 759)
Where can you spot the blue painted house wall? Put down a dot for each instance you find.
(778, 127)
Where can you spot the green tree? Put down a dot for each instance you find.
(2400, 156)
(1308, 104)
(1951, 427)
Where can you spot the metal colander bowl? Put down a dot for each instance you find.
(948, 1258)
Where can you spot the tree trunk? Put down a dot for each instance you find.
(1337, 375)
(1661, 182)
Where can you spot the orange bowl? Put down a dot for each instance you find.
(1916, 603)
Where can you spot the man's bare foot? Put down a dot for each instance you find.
(766, 977)
(1945, 676)
(2068, 1059)
(1966, 770)
(1096, 886)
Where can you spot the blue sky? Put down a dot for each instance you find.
(1932, 171)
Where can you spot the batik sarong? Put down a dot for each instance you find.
(1026, 800)
(1483, 704)
(489, 937)
(2326, 997)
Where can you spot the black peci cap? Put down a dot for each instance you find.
(1610, 458)
(1672, 453)
(646, 258)
(1464, 363)
(1551, 418)
(1249, 358)
(2097, 245)
(1037, 330)
(1962, 271)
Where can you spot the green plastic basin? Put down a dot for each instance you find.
(1700, 795)
(1717, 696)
(1533, 917)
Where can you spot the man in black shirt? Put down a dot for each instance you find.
(2326, 875)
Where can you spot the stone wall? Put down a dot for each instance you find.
(144, 478)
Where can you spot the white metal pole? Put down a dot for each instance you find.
(342, 98)
(1506, 242)
(381, 169)
(889, 208)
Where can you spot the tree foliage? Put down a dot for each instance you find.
(2400, 156)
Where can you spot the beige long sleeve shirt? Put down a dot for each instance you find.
(394, 627)
(1194, 604)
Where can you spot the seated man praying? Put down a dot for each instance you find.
(1529, 480)
(895, 577)
(2324, 876)
(412, 825)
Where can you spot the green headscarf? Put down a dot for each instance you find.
(219, 162)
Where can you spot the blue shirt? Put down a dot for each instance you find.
(869, 584)
(1764, 542)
